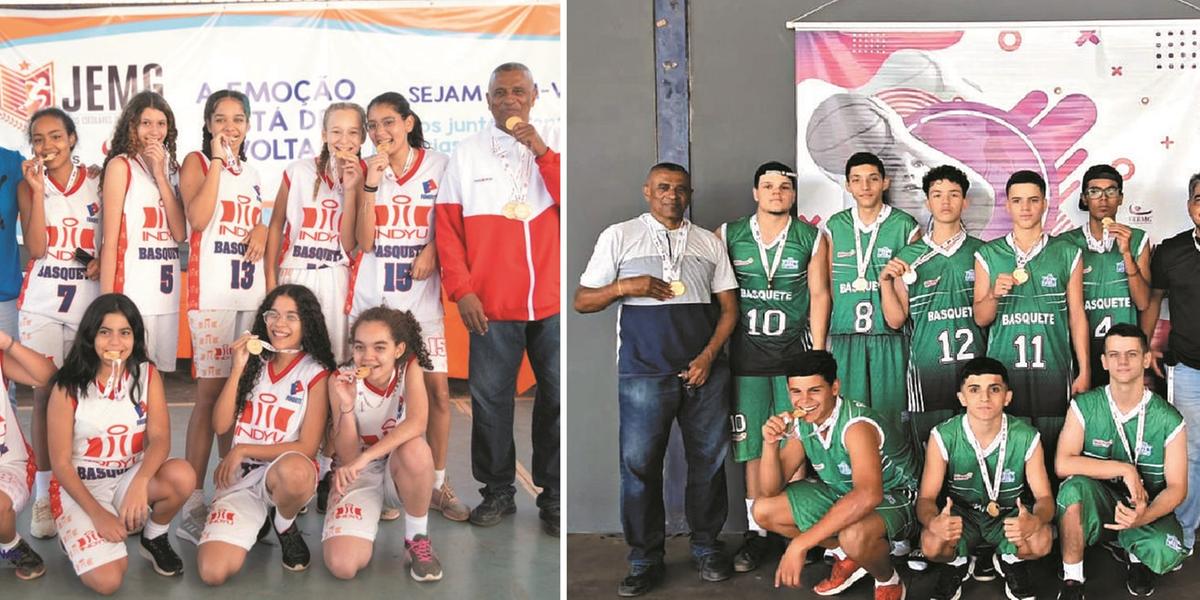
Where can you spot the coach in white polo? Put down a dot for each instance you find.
(664, 272)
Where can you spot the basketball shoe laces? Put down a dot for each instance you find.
(422, 549)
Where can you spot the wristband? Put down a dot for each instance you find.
(220, 158)
(619, 292)
(370, 189)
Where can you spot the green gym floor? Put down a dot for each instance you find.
(514, 559)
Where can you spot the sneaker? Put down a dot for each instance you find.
(713, 567)
(389, 513)
(446, 502)
(266, 526)
(1071, 590)
(1018, 585)
(949, 581)
(1118, 553)
(983, 567)
(895, 591)
(1139, 580)
(295, 551)
(194, 515)
(551, 520)
(424, 562)
(815, 555)
(161, 555)
(42, 526)
(917, 561)
(828, 557)
(27, 562)
(845, 572)
(754, 549)
(323, 487)
(493, 509)
(900, 547)
(641, 579)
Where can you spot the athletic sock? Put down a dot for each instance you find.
(9, 545)
(895, 578)
(1010, 559)
(41, 485)
(153, 530)
(281, 523)
(750, 522)
(414, 526)
(324, 462)
(1073, 571)
(439, 478)
(958, 561)
(1133, 559)
(838, 553)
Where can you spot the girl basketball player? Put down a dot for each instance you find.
(143, 221)
(398, 262)
(275, 403)
(378, 426)
(225, 277)
(60, 215)
(109, 439)
(27, 367)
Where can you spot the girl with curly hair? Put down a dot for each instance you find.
(224, 208)
(379, 410)
(275, 404)
(110, 436)
(60, 215)
(143, 221)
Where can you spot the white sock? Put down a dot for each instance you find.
(838, 553)
(153, 530)
(1133, 559)
(439, 478)
(1010, 559)
(892, 581)
(9, 545)
(324, 462)
(750, 522)
(1073, 571)
(282, 524)
(41, 485)
(414, 526)
(959, 561)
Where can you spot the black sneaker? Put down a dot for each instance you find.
(949, 581)
(641, 579)
(266, 526)
(295, 551)
(983, 567)
(918, 563)
(161, 555)
(1071, 590)
(713, 567)
(815, 554)
(1139, 580)
(1118, 553)
(323, 486)
(551, 521)
(27, 562)
(1017, 583)
(492, 509)
(754, 549)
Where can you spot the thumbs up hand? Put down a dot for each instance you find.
(946, 525)
(1018, 528)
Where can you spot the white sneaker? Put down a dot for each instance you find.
(901, 548)
(42, 524)
(192, 518)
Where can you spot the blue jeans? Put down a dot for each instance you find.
(495, 359)
(1186, 397)
(8, 324)
(648, 406)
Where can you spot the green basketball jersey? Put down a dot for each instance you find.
(1101, 440)
(860, 312)
(944, 333)
(773, 320)
(964, 482)
(1105, 286)
(831, 460)
(1031, 334)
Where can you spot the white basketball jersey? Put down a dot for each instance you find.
(110, 426)
(147, 256)
(275, 409)
(218, 278)
(56, 285)
(13, 447)
(312, 236)
(403, 226)
(378, 411)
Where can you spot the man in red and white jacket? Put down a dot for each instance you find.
(498, 244)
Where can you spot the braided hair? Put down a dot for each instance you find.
(210, 107)
(404, 328)
(314, 338)
(124, 137)
(323, 159)
(82, 362)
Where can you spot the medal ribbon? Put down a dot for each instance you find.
(860, 260)
(780, 240)
(946, 248)
(1023, 258)
(1141, 423)
(1100, 246)
(990, 484)
(49, 185)
(671, 260)
(518, 177)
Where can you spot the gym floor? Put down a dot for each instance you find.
(514, 559)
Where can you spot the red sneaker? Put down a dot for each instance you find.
(894, 591)
(845, 573)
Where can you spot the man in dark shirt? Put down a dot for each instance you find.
(1175, 273)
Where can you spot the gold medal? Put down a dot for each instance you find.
(509, 210)
(1020, 275)
(512, 121)
(678, 288)
(859, 285)
(254, 346)
(522, 211)
(112, 355)
(362, 372)
(909, 277)
(993, 509)
(1106, 221)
